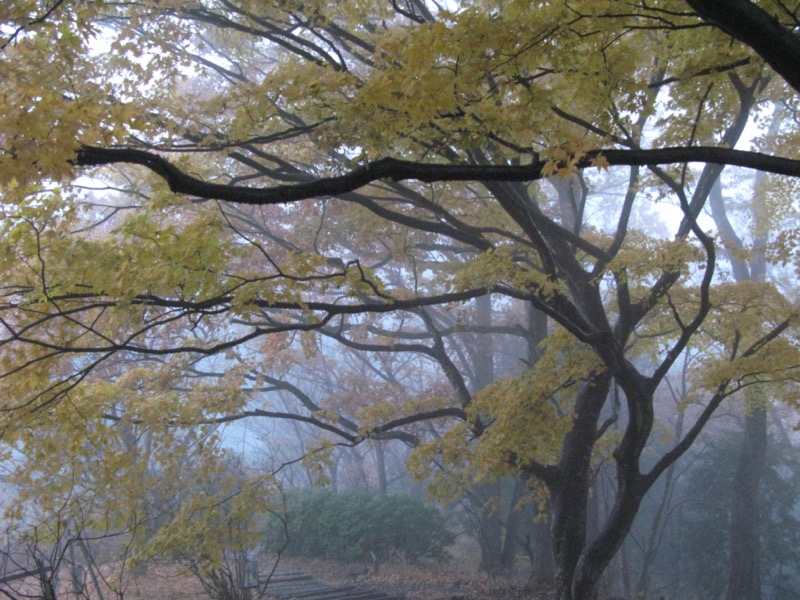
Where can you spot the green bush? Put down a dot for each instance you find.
(318, 523)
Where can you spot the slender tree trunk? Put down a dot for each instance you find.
(333, 472)
(659, 520)
(540, 551)
(487, 495)
(380, 465)
(91, 566)
(625, 570)
(486, 499)
(483, 352)
(45, 581)
(517, 526)
(75, 572)
(744, 580)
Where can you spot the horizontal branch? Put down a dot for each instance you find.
(440, 413)
(245, 414)
(386, 431)
(332, 308)
(398, 170)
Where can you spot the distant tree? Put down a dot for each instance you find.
(706, 492)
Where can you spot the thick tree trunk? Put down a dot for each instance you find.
(570, 496)
(594, 561)
(631, 486)
(498, 524)
(569, 533)
(744, 581)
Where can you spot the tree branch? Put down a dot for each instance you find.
(753, 26)
(396, 169)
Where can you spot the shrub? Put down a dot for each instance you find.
(318, 523)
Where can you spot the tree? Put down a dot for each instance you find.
(708, 491)
(216, 531)
(744, 579)
(372, 167)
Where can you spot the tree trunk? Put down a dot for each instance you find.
(625, 570)
(540, 552)
(486, 499)
(517, 525)
(631, 485)
(744, 581)
(333, 473)
(659, 520)
(744, 578)
(380, 465)
(45, 580)
(569, 497)
(594, 561)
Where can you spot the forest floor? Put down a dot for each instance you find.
(452, 580)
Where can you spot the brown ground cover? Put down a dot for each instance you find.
(414, 581)
(454, 580)
(457, 579)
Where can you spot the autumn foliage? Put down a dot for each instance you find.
(493, 231)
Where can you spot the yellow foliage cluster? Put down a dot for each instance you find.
(107, 275)
(527, 416)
